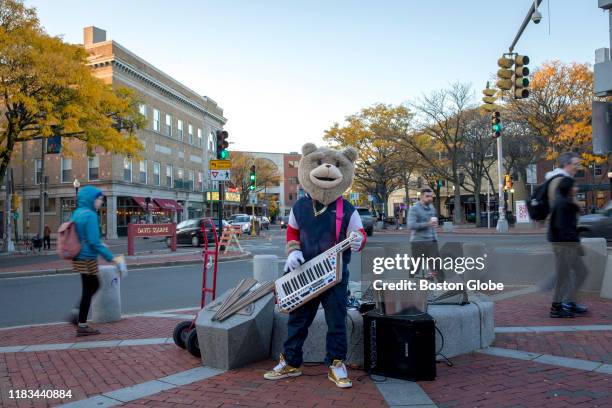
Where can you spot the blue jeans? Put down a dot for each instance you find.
(334, 303)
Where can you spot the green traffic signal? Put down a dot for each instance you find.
(224, 154)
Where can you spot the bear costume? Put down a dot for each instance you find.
(325, 174)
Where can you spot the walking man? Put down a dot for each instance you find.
(422, 221)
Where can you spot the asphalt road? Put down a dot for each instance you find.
(49, 298)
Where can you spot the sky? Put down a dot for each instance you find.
(284, 71)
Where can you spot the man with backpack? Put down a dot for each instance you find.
(563, 234)
(79, 240)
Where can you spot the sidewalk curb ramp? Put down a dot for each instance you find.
(47, 272)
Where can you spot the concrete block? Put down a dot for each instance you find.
(465, 329)
(106, 304)
(595, 259)
(606, 286)
(314, 347)
(239, 340)
(265, 268)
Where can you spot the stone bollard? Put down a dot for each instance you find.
(606, 287)
(106, 304)
(595, 259)
(265, 268)
(447, 226)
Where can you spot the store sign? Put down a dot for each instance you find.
(229, 196)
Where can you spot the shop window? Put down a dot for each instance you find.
(34, 205)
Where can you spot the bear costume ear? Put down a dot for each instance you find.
(308, 148)
(351, 153)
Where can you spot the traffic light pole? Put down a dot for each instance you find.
(221, 194)
(502, 223)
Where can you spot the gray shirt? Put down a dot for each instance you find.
(419, 216)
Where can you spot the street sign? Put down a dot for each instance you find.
(220, 165)
(253, 198)
(220, 175)
(522, 215)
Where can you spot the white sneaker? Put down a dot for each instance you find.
(283, 370)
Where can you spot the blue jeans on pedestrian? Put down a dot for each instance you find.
(334, 304)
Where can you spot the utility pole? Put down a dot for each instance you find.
(41, 199)
(502, 223)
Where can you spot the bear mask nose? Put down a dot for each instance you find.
(328, 165)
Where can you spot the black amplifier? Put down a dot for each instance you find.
(400, 346)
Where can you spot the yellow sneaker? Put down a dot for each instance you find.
(339, 375)
(282, 370)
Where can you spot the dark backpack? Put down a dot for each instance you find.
(538, 205)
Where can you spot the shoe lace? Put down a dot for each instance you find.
(279, 366)
(340, 371)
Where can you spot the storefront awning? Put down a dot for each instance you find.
(142, 203)
(166, 204)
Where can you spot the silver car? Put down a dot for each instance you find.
(367, 219)
(598, 224)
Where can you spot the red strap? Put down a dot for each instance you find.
(339, 215)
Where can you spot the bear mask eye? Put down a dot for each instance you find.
(319, 162)
(337, 164)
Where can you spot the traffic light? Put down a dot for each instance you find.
(505, 73)
(496, 125)
(15, 202)
(253, 179)
(520, 81)
(507, 182)
(222, 145)
(489, 99)
(440, 183)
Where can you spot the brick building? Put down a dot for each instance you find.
(178, 140)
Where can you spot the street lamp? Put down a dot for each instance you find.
(76, 185)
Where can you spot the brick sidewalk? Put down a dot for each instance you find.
(475, 380)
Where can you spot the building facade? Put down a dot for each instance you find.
(170, 180)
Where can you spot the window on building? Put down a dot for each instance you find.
(169, 175)
(598, 170)
(168, 125)
(211, 143)
(156, 173)
(156, 120)
(200, 181)
(143, 172)
(127, 169)
(579, 173)
(199, 137)
(293, 180)
(190, 132)
(66, 170)
(191, 180)
(34, 205)
(93, 166)
(67, 207)
(38, 171)
(293, 164)
(179, 129)
(142, 108)
(179, 178)
(290, 197)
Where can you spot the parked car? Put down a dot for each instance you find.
(284, 221)
(264, 222)
(244, 221)
(233, 217)
(189, 232)
(367, 219)
(598, 224)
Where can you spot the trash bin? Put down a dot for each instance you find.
(106, 304)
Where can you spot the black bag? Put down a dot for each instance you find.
(538, 205)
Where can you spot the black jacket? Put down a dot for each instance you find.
(564, 216)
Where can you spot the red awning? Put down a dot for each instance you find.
(142, 203)
(168, 205)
